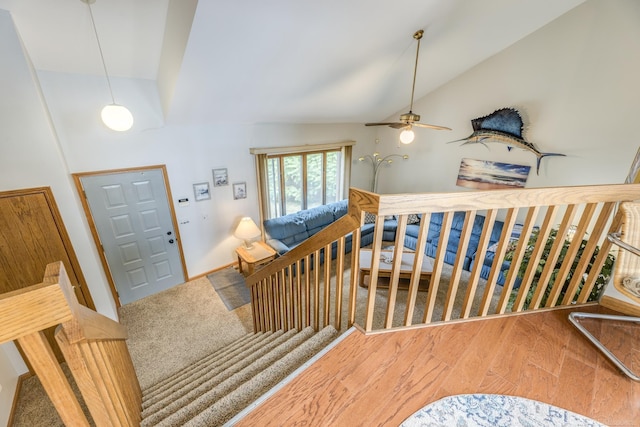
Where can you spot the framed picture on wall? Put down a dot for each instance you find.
(220, 177)
(240, 190)
(201, 191)
(488, 175)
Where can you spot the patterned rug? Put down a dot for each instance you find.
(494, 410)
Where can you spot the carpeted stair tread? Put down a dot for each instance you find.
(208, 364)
(230, 404)
(221, 353)
(194, 401)
(213, 374)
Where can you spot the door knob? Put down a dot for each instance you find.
(168, 233)
(170, 240)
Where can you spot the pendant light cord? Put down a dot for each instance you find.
(104, 65)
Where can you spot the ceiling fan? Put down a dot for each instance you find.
(408, 120)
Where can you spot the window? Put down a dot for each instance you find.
(302, 178)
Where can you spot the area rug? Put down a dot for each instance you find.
(231, 287)
(490, 410)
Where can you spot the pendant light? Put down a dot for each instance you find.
(115, 116)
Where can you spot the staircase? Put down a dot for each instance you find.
(210, 392)
(286, 297)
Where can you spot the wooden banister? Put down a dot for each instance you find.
(93, 345)
(85, 323)
(559, 266)
(344, 225)
(31, 309)
(89, 325)
(55, 383)
(25, 313)
(396, 204)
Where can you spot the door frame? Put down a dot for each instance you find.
(94, 229)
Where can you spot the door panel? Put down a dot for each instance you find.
(32, 235)
(133, 219)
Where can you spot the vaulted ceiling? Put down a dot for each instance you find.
(289, 61)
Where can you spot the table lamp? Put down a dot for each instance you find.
(247, 230)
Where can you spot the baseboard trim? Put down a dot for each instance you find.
(232, 264)
(14, 404)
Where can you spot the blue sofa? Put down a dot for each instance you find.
(433, 237)
(287, 232)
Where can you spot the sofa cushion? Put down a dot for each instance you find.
(367, 229)
(390, 225)
(413, 219)
(435, 226)
(339, 209)
(412, 230)
(278, 246)
(289, 229)
(316, 218)
(369, 218)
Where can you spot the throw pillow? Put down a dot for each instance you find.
(369, 218)
(413, 219)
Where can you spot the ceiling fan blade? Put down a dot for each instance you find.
(383, 124)
(424, 125)
(399, 125)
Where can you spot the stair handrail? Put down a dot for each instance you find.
(359, 200)
(93, 346)
(85, 324)
(407, 203)
(342, 226)
(587, 209)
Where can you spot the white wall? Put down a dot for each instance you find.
(30, 157)
(577, 81)
(189, 153)
(8, 382)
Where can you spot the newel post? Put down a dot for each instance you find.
(25, 313)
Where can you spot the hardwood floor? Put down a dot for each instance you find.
(381, 379)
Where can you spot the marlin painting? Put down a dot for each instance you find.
(503, 126)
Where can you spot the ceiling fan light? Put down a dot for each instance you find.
(117, 117)
(407, 136)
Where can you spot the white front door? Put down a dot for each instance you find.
(133, 219)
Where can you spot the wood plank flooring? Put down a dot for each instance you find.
(381, 379)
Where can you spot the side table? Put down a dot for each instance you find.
(259, 253)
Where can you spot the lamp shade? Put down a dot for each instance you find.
(247, 229)
(117, 117)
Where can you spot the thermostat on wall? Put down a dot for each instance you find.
(183, 202)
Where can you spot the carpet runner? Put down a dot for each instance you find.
(213, 390)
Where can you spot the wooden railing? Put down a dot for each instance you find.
(557, 260)
(93, 345)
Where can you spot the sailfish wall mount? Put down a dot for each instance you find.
(503, 126)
